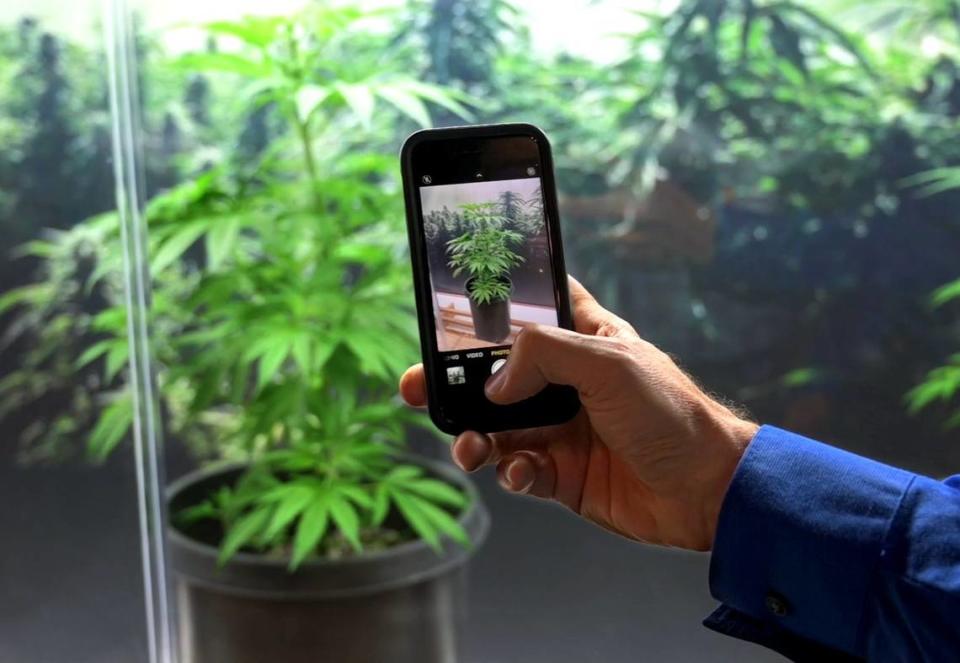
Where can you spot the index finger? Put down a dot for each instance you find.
(413, 386)
(592, 319)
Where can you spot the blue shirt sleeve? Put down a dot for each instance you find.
(824, 555)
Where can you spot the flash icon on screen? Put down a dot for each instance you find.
(426, 179)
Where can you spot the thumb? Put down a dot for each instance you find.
(550, 355)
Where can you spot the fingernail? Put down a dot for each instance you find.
(515, 479)
(504, 479)
(495, 383)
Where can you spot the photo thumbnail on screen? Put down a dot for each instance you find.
(490, 263)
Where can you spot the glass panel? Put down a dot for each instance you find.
(756, 191)
(73, 392)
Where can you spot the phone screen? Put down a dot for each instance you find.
(490, 256)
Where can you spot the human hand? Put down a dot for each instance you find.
(649, 456)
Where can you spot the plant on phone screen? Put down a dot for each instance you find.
(485, 252)
(281, 314)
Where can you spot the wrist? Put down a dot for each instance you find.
(729, 443)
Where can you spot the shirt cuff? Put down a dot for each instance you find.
(800, 534)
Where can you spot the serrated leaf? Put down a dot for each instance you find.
(290, 459)
(440, 96)
(300, 350)
(381, 506)
(228, 63)
(418, 522)
(243, 532)
(110, 320)
(309, 99)
(940, 385)
(221, 239)
(175, 245)
(28, 294)
(111, 427)
(202, 511)
(442, 520)
(310, 529)
(346, 519)
(437, 491)
(404, 472)
(406, 102)
(945, 293)
(93, 352)
(357, 494)
(359, 98)
(270, 362)
(294, 501)
(116, 359)
(256, 31)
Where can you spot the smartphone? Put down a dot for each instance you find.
(487, 260)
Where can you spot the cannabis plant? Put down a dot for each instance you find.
(941, 384)
(281, 317)
(484, 252)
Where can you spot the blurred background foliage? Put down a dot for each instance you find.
(745, 183)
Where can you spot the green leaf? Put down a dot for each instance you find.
(36, 248)
(116, 359)
(404, 472)
(345, 516)
(271, 361)
(29, 294)
(933, 182)
(220, 241)
(436, 491)
(406, 102)
(310, 530)
(255, 31)
(176, 245)
(359, 98)
(309, 100)
(228, 63)
(381, 506)
(360, 496)
(786, 43)
(93, 352)
(243, 532)
(945, 293)
(940, 385)
(421, 524)
(441, 96)
(953, 421)
(294, 500)
(300, 350)
(111, 427)
(202, 511)
(113, 320)
(291, 460)
(800, 377)
(442, 520)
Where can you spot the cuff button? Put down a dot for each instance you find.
(777, 605)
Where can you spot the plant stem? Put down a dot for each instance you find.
(302, 124)
(306, 145)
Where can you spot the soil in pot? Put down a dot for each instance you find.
(402, 604)
(491, 321)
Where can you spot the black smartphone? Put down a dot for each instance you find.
(487, 260)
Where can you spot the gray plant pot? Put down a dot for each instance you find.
(401, 605)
